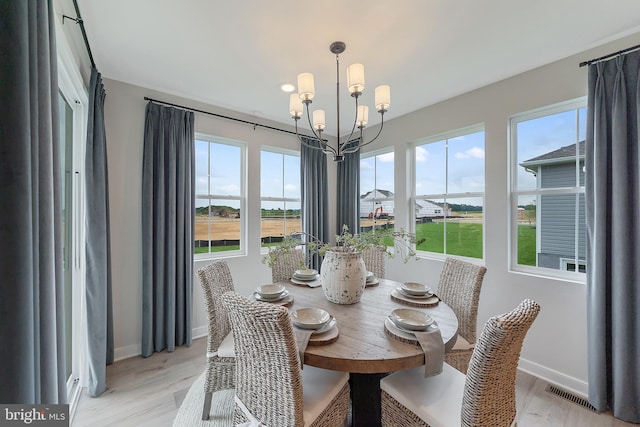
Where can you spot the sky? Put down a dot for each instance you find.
(454, 165)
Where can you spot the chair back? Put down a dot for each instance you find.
(216, 279)
(286, 265)
(374, 260)
(489, 398)
(459, 288)
(268, 377)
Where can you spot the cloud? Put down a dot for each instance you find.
(471, 153)
(386, 157)
(421, 154)
(364, 164)
(290, 187)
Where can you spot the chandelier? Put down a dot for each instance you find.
(298, 102)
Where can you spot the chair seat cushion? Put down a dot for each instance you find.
(319, 388)
(462, 344)
(436, 400)
(226, 347)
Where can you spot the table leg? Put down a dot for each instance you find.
(365, 399)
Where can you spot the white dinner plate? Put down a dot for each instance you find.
(277, 298)
(306, 278)
(388, 323)
(307, 272)
(411, 319)
(326, 327)
(310, 318)
(413, 288)
(270, 291)
(403, 293)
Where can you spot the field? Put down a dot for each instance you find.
(229, 228)
(464, 235)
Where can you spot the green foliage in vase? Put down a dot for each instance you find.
(404, 244)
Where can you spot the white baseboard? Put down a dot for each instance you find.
(127, 352)
(136, 349)
(574, 385)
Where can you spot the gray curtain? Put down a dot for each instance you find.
(348, 191)
(314, 195)
(613, 243)
(32, 354)
(168, 207)
(98, 242)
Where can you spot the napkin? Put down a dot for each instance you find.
(302, 339)
(433, 347)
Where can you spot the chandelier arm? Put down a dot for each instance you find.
(323, 145)
(357, 147)
(377, 135)
(305, 143)
(346, 142)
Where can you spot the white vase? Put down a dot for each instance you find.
(343, 276)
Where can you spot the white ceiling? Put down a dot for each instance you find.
(236, 54)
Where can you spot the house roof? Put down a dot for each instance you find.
(385, 193)
(561, 155)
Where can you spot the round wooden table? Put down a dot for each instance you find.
(363, 348)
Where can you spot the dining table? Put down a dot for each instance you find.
(363, 346)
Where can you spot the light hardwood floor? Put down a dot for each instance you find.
(148, 392)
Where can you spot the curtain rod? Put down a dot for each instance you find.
(78, 20)
(146, 98)
(591, 61)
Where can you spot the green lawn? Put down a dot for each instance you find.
(462, 239)
(205, 250)
(466, 240)
(527, 245)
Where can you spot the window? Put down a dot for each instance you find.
(280, 195)
(220, 195)
(376, 191)
(547, 190)
(448, 193)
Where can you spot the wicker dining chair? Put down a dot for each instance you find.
(374, 260)
(216, 279)
(269, 381)
(286, 265)
(459, 288)
(485, 397)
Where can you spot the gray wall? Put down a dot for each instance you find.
(556, 345)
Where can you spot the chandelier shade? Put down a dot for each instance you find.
(300, 102)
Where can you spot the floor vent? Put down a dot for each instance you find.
(570, 397)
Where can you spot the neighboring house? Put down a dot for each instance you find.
(430, 209)
(555, 216)
(378, 203)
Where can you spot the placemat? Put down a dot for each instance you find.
(325, 338)
(374, 282)
(416, 302)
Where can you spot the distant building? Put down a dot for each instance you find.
(379, 204)
(430, 209)
(555, 214)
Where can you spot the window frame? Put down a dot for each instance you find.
(467, 130)
(374, 154)
(514, 193)
(284, 152)
(242, 198)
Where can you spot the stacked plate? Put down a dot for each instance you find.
(271, 293)
(415, 290)
(315, 319)
(306, 275)
(371, 279)
(410, 320)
